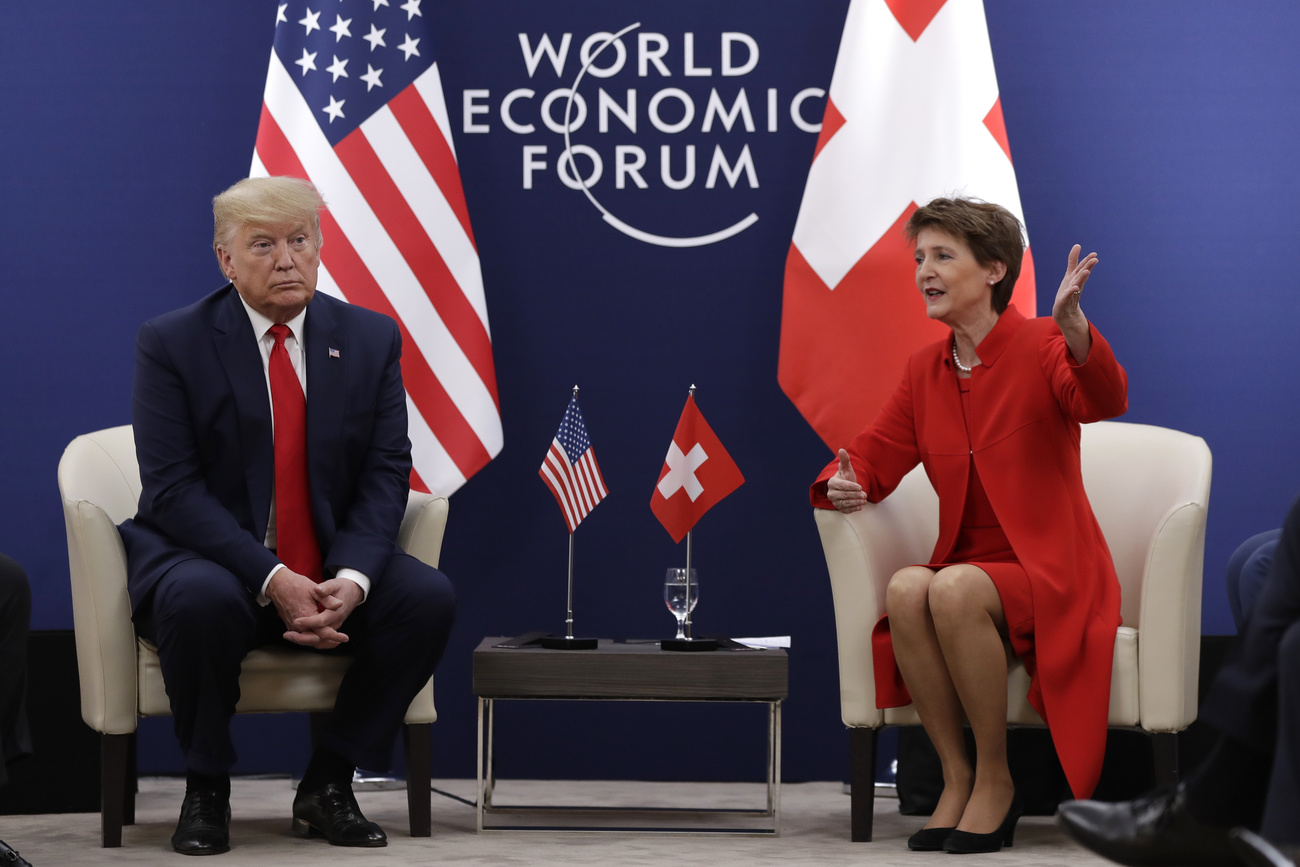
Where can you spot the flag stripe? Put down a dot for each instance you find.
(582, 478)
(384, 260)
(395, 215)
(426, 451)
(559, 484)
(579, 485)
(424, 196)
(592, 473)
(454, 431)
(430, 87)
(457, 437)
(455, 425)
(280, 152)
(423, 132)
(549, 478)
(560, 462)
(588, 476)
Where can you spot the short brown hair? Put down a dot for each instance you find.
(991, 231)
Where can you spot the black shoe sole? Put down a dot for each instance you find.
(303, 828)
(204, 851)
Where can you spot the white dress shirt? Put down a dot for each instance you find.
(294, 345)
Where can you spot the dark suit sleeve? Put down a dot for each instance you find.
(174, 498)
(367, 534)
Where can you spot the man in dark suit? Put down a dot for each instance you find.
(15, 623)
(1250, 781)
(262, 519)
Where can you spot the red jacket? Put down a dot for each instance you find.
(1027, 400)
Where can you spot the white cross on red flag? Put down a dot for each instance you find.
(913, 113)
(697, 474)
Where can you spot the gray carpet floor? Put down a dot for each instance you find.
(814, 830)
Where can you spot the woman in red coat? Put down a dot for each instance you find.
(993, 414)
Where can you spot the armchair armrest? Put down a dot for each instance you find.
(101, 613)
(1170, 623)
(863, 550)
(423, 527)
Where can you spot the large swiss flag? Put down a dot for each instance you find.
(697, 473)
(913, 113)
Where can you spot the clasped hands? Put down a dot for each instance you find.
(313, 613)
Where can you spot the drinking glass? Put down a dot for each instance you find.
(675, 596)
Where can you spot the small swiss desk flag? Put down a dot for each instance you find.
(697, 474)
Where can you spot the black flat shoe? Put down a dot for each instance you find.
(929, 839)
(204, 826)
(968, 843)
(332, 812)
(1153, 830)
(10, 858)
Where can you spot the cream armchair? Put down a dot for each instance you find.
(120, 677)
(1149, 488)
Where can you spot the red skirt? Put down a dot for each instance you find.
(986, 548)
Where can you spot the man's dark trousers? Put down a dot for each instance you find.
(1255, 699)
(204, 623)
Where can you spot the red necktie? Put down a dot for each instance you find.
(295, 533)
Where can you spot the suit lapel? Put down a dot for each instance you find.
(237, 349)
(326, 358)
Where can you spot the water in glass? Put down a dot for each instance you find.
(675, 596)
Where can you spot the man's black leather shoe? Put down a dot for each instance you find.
(1148, 832)
(332, 812)
(10, 858)
(204, 826)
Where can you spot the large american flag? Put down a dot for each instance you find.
(354, 103)
(570, 469)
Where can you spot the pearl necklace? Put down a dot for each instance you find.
(957, 361)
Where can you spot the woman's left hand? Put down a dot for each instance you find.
(1065, 310)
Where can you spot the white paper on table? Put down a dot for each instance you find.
(766, 641)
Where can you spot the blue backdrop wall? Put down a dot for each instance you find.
(1161, 134)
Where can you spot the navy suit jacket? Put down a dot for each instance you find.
(202, 418)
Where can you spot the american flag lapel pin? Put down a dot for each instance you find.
(334, 353)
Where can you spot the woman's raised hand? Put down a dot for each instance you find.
(1065, 309)
(843, 490)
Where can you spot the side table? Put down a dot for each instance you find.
(634, 671)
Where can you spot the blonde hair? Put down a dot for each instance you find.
(261, 201)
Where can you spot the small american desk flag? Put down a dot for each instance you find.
(353, 103)
(570, 469)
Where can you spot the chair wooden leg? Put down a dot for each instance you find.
(112, 788)
(316, 721)
(862, 782)
(132, 782)
(418, 740)
(1164, 745)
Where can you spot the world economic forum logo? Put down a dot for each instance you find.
(670, 111)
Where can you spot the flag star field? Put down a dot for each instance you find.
(349, 67)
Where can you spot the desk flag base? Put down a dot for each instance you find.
(567, 642)
(688, 644)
